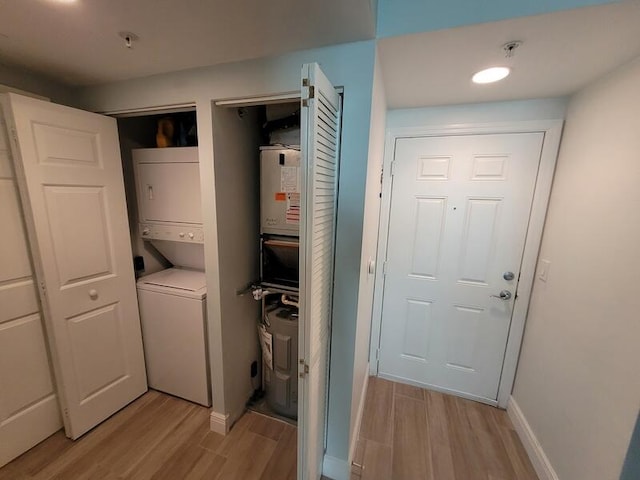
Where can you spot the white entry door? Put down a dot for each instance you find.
(460, 208)
(70, 177)
(320, 152)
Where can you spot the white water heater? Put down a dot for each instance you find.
(279, 191)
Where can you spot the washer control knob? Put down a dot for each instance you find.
(191, 235)
(145, 231)
(181, 234)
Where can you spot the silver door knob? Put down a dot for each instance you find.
(503, 295)
(508, 276)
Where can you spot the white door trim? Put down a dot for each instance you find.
(552, 130)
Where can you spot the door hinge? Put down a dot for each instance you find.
(309, 94)
(43, 287)
(392, 168)
(304, 368)
(384, 267)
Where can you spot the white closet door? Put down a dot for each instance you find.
(29, 410)
(70, 177)
(320, 146)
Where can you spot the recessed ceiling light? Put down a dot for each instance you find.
(490, 75)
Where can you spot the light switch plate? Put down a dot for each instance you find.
(543, 270)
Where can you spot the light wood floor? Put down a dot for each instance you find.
(409, 433)
(160, 437)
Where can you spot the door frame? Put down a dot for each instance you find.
(552, 130)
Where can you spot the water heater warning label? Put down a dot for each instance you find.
(289, 179)
(292, 214)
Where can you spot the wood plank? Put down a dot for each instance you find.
(231, 439)
(518, 456)
(283, 463)
(411, 455)
(378, 460)
(495, 459)
(190, 462)
(416, 393)
(267, 427)
(159, 437)
(377, 417)
(130, 441)
(358, 457)
(441, 458)
(10, 472)
(249, 457)
(81, 452)
(181, 437)
(58, 450)
(467, 462)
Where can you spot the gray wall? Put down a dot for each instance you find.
(577, 381)
(631, 469)
(23, 79)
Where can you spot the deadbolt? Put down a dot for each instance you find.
(508, 276)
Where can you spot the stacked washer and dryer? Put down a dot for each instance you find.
(173, 301)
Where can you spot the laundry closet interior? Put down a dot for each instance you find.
(257, 191)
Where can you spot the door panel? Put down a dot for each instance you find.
(71, 184)
(320, 146)
(459, 214)
(29, 410)
(430, 214)
(82, 249)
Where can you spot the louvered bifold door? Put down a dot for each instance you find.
(320, 145)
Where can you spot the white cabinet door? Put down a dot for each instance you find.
(459, 214)
(70, 177)
(320, 148)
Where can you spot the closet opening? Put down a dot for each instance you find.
(161, 170)
(258, 188)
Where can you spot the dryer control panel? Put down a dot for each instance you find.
(174, 233)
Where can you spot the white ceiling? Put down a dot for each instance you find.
(78, 43)
(562, 52)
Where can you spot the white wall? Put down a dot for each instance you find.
(349, 66)
(369, 250)
(577, 381)
(479, 113)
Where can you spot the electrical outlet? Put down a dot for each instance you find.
(543, 270)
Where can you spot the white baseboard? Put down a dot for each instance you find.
(356, 429)
(538, 458)
(219, 423)
(335, 468)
